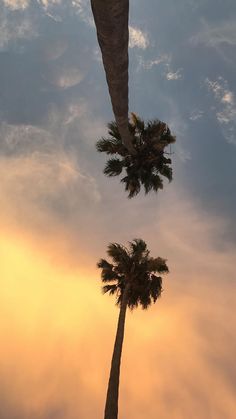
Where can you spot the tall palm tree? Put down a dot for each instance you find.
(111, 20)
(149, 164)
(132, 278)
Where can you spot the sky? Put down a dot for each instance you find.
(58, 213)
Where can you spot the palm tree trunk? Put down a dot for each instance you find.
(111, 20)
(111, 407)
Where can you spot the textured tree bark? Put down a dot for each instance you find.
(111, 407)
(111, 19)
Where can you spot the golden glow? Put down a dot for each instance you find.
(57, 337)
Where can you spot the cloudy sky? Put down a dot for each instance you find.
(58, 213)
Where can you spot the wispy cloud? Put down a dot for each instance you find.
(14, 27)
(165, 62)
(216, 34)
(148, 64)
(83, 10)
(41, 177)
(196, 114)
(225, 107)
(220, 36)
(65, 76)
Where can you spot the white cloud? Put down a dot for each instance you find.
(16, 4)
(49, 3)
(226, 107)
(174, 75)
(137, 38)
(228, 98)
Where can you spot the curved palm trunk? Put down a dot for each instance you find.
(111, 20)
(111, 407)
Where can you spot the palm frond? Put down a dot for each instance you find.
(138, 248)
(145, 299)
(119, 254)
(167, 172)
(111, 289)
(113, 167)
(166, 160)
(155, 287)
(168, 136)
(137, 123)
(113, 130)
(157, 265)
(108, 273)
(104, 264)
(132, 185)
(156, 182)
(109, 146)
(154, 129)
(151, 181)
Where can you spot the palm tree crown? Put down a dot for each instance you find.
(148, 164)
(133, 267)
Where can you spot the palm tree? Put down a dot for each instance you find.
(111, 20)
(149, 164)
(132, 278)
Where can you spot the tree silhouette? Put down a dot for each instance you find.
(149, 164)
(131, 277)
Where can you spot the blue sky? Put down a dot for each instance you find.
(54, 105)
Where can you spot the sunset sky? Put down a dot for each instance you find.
(58, 213)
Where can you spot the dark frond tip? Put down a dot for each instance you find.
(111, 289)
(132, 185)
(167, 172)
(113, 167)
(108, 275)
(118, 253)
(157, 265)
(172, 139)
(156, 287)
(108, 146)
(103, 264)
(138, 247)
(162, 266)
(156, 182)
(113, 130)
(145, 300)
